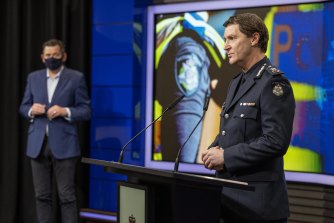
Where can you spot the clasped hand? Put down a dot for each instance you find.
(213, 158)
(53, 112)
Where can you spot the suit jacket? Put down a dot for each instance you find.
(255, 131)
(70, 92)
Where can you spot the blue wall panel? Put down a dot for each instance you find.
(107, 138)
(112, 39)
(104, 195)
(111, 133)
(105, 153)
(117, 94)
(108, 155)
(112, 70)
(113, 102)
(106, 11)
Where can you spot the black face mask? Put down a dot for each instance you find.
(53, 63)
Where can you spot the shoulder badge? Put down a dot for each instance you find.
(187, 74)
(278, 89)
(274, 70)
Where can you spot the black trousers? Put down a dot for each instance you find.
(44, 167)
(245, 221)
(229, 216)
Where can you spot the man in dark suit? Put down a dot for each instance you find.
(255, 129)
(55, 99)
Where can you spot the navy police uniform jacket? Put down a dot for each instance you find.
(255, 131)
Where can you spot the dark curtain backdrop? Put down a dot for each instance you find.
(25, 25)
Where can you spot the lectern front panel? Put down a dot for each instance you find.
(132, 203)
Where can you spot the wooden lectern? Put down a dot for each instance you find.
(172, 197)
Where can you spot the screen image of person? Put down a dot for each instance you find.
(183, 67)
(55, 99)
(255, 127)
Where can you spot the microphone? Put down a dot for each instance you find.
(207, 101)
(172, 105)
(205, 108)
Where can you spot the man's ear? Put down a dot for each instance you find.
(255, 39)
(64, 57)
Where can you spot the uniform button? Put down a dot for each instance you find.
(242, 115)
(223, 132)
(226, 116)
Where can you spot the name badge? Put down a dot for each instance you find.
(250, 104)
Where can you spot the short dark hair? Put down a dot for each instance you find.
(54, 42)
(249, 24)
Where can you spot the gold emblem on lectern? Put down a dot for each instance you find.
(132, 219)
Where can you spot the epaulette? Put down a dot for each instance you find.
(260, 72)
(274, 70)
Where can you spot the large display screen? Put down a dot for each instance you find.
(186, 57)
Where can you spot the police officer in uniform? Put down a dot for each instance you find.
(255, 129)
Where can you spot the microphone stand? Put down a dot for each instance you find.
(172, 105)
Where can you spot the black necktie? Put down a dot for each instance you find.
(243, 79)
